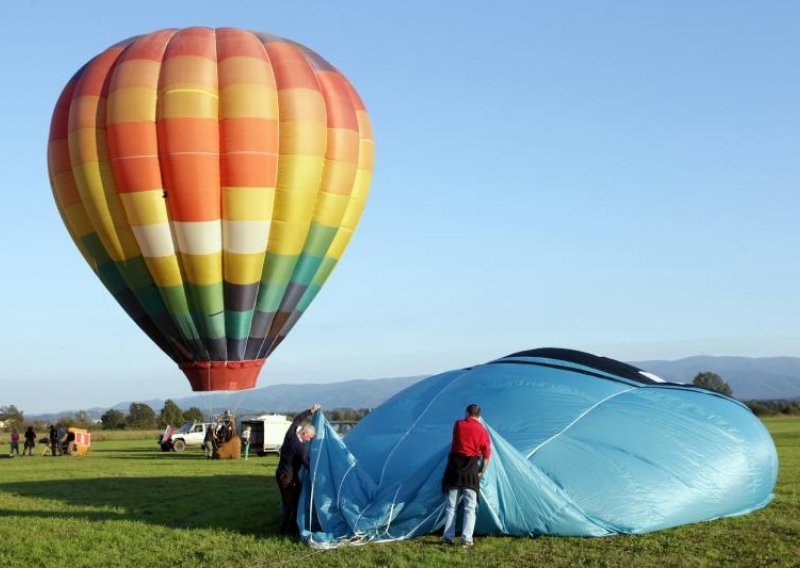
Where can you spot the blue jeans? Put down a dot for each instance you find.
(470, 499)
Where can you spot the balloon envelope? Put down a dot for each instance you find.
(581, 446)
(212, 180)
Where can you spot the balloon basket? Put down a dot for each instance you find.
(222, 375)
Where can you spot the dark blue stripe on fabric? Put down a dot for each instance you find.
(626, 381)
(603, 364)
(641, 383)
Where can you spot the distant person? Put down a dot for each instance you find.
(30, 441)
(14, 442)
(294, 456)
(246, 440)
(209, 442)
(53, 437)
(225, 429)
(62, 438)
(466, 464)
(67, 445)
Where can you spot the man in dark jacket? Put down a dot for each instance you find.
(54, 441)
(30, 441)
(210, 440)
(466, 464)
(294, 456)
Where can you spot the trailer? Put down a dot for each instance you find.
(266, 432)
(77, 442)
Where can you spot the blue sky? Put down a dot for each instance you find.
(616, 177)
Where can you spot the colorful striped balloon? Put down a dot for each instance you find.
(212, 180)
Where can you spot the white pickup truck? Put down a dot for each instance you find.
(266, 434)
(190, 435)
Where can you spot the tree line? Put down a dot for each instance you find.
(712, 381)
(774, 407)
(141, 416)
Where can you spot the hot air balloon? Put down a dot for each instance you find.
(212, 180)
(581, 446)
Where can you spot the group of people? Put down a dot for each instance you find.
(466, 464)
(30, 442)
(217, 434)
(60, 441)
(467, 461)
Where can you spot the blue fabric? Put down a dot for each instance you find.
(576, 451)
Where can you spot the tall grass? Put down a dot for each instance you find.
(129, 504)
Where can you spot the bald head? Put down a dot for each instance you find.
(308, 432)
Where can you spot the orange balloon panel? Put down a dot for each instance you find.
(212, 180)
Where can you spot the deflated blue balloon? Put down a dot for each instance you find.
(582, 446)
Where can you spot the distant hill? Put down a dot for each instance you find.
(288, 398)
(361, 393)
(750, 378)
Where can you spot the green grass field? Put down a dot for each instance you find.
(129, 504)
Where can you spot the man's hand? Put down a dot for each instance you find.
(315, 407)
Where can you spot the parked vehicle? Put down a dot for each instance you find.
(343, 427)
(190, 435)
(266, 432)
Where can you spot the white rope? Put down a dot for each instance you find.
(358, 518)
(579, 417)
(313, 480)
(341, 484)
(439, 510)
(410, 428)
(391, 509)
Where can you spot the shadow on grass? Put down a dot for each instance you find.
(154, 456)
(244, 504)
(94, 450)
(147, 453)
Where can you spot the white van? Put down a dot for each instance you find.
(266, 432)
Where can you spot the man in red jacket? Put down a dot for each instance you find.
(466, 464)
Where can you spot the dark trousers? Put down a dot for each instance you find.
(290, 498)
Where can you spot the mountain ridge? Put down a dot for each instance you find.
(751, 378)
